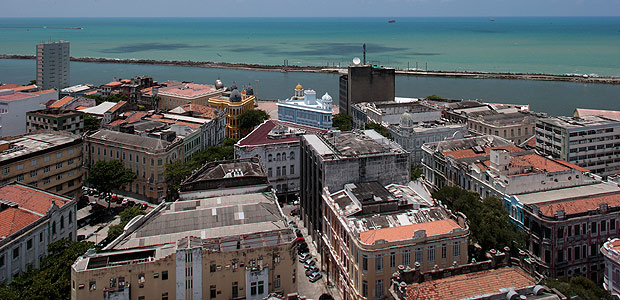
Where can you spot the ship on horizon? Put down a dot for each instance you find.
(391, 21)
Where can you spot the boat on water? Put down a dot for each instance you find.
(492, 20)
(391, 21)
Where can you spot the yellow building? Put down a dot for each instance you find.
(48, 160)
(234, 103)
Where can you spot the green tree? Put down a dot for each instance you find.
(91, 123)
(435, 97)
(109, 176)
(53, 279)
(342, 122)
(578, 288)
(117, 98)
(416, 171)
(34, 81)
(489, 224)
(126, 215)
(251, 118)
(379, 129)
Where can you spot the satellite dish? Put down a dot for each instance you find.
(356, 61)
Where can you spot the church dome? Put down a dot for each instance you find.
(235, 96)
(299, 87)
(406, 120)
(219, 84)
(326, 98)
(249, 90)
(233, 86)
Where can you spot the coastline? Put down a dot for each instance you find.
(332, 70)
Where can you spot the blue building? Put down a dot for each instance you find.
(305, 109)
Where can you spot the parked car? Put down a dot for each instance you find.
(312, 270)
(309, 263)
(131, 203)
(143, 206)
(124, 202)
(304, 257)
(315, 276)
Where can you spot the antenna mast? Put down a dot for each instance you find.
(364, 46)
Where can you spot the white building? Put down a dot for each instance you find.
(31, 220)
(53, 65)
(276, 143)
(611, 252)
(15, 105)
(106, 111)
(305, 109)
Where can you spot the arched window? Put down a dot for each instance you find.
(283, 155)
(292, 155)
(269, 157)
(278, 157)
(53, 227)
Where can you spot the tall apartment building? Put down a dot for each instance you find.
(50, 161)
(365, 83)
(566, 228)
(371, 231)
(276, 143)
(14, 106)
(31, 219)
(53, 65)
(214, 243)
(334, 159)
(304, 108)
(234, 103)
(590, 141)
(146, 156)
(56, 120)
(611, 279)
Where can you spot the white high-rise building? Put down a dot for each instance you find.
(53, 65)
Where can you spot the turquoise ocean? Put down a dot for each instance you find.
(539, 45)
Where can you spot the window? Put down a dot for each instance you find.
(29, 244)
(276, 282)
(46, 158)
(62, 222)
(612, 224)
(456, 249)
(379, 262)
(54, 227)
(364, 288)
(6, 170)
(603, 225)
(278, 171)
(70, 161)
(292, 155)
(593, 227)
(577, 253)
(70, 218)
(269, 172)
(561, 233)
(284, 171)
(576, 229)
(40, 237)
(235, 289)
(212, 268)
(418, 255)
(164, 296)
(560, 255)
(160, 162)
(92, 285)
(393, 260)
(379, 288)
(364, 263)
(431, 253)
(20, 177)
(33, 173)
(269, 158)
(253, 288)
(444, 251)
(59, 155)
(46, 169)
(164, 275)
(20, 167)
(2, 261)
(292, 169)
(33, 162)
(212, 292)
(16, 252)
(261, 287)
(406, 258)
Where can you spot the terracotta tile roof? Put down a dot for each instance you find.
(405, 232)
(189, 90)
(117, 106)
(25, 88)
(91, 93)
(81, 107)
(31, 198)
(615, 244)
(116, 122)
(61, 102)
(471, 285)
(579, 205)
(538, 162)
(113, 83)
(14, 96)
(612, 114)
(466, 153)
(530, 142)
(13, 219)
(259, 136)
(136, 116)
(572, 166)
(201, 110)
(9, 86)
(43, 92)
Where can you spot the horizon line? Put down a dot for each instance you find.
(314, 17)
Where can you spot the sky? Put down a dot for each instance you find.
(307, 8)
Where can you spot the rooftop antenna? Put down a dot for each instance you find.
(364, 46)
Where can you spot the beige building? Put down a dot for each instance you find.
(516, 127)
(146, 156)
(370, 230)
(185, 93)
(230, 243)
(49, 160)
